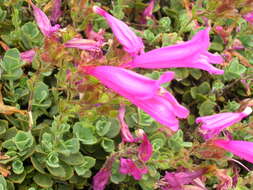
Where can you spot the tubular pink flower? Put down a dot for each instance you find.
(84, 44)
(249, 17)
(190, 54)
(28, 56)
(101, 179)
(127, 166)
(43, 22)
(176, 180)
(125, 133)
(147, 13)
(143, 92)
(129, 40)
(56, 11)
(214, 124)
(242, 149)
(145, 149)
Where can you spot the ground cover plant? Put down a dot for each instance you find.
(126, 94)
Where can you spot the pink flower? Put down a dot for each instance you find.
(129, 40)
(177, 180)
(249, 17)
(214, 124)
(242, 149)
(28, 56)
(101, 179)
(84, 44)
(125, 133)
(56, 11)
(147, 13)
(97, 36)
(143, 92)
(43, 22)
(145, 149)
(190, 54)
(127, 166)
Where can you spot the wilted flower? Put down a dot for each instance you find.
(190, 54)
(101, 179)
(214, 124)
(28, 56)
(125, 133)
(129, 40)
(177, 180)
(147, 13)
(127, 166)
(145, 149)
(243, 149)
(84, 44)
(142, 91)
(43, 22)
(56, 11)
(249, 17)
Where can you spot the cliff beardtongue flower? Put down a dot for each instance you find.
(43, 22)
(147, 13)
(242, 149)
(177, 180)
(101, 179)
(84, 44)
(145, 149)
(214, 124)
(143, 92)
(127, 166)
(28, 56)
(249, 17)
(190, 54)
(125, 133)
(56, 11)
(129, 40)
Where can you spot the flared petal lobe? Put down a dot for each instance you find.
(243, 149)
(143, 92)
(125, 133)
(214, 124)
(145, 149)
(43, 22)
(28, 56)
(127, 166)
(101, 179)
(191, 54)
(128, 39)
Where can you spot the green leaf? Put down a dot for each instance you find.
(23, 140)
(165, 23)
(3, 126)
(234, 71)
(207, 108)
(17, 167)
(114, 128)
(148, 35)
(116, 176)
(84, 133)
(108, 145)
(3, 184)
(47, 142)
(2, 15)
(11, 61)
(53, 160)
(102, 127)
(43, 180)
(41, 92)
(73, 159)
(63, 172)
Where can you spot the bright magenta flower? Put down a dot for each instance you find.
(129, 40)
(56, 11)
(190, 54)
(28, 56)
(147, 13)
(84, 44)
(143, 92)
(145, 149)
(101, 179)
(177, 180)
(127, 166)
(43, 22)
(249, 17)
(243, 149)
(214, 124)
(125, 133)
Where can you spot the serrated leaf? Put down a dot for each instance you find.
(43, 180)
(84, 133)
(108, 145)
(11, 61)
